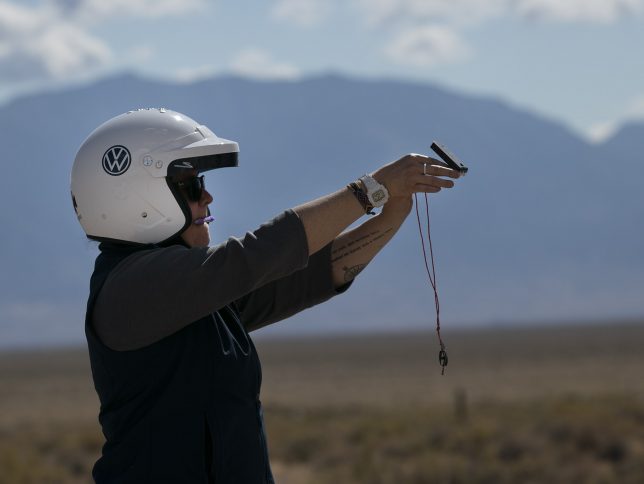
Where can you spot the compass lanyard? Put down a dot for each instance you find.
(431, 274)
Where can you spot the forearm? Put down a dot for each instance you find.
(354, 249)
(289, 295)
(325, 217)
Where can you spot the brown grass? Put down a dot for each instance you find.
(549, 405)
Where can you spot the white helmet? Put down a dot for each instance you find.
(120, 178)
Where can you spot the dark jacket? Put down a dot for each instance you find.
(185, 408)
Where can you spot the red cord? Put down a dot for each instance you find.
(431, 275)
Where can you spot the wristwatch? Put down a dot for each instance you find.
(376, 192)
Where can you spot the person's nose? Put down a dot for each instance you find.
(206, 198)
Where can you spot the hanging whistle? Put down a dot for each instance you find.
(442, 359)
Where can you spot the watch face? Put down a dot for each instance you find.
(378, 195)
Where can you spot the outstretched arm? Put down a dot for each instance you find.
(326, 217)
(354, 249)
(328, 272)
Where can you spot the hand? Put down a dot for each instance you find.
(415, 174)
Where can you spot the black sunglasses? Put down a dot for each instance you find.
(192, 187)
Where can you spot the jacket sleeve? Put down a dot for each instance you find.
(154, 293)
(291, 294)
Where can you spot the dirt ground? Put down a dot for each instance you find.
(375, 409)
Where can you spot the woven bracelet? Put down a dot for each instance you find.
(361, 197)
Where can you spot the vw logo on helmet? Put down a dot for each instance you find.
(116, 160)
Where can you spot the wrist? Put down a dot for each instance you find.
(356, 189)
(375, 191)
(369, 192)
(399, 205)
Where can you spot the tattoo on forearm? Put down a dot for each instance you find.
(351, 272)
(357, 244)
(356, 241)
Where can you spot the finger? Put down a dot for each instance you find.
(433, 181)
(441, 171)
(432, 166)
(428, 159)
(420, 188)
(440, 163)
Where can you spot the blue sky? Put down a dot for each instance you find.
(578, 61)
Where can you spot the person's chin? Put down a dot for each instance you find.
(204, 241)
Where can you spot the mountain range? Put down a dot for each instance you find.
(545, 227)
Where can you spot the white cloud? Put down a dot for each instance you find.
(15, 19)
(100, 9)
(426, 46)
(388, 12)
(65, 48)
(463, 12)
(35, 44)
(141, 53)
(192, 74)
(52, 39)
(635, 107)
(600, 132)
(259, 64)
(597, 11)
(303, 13)
(417, 40)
